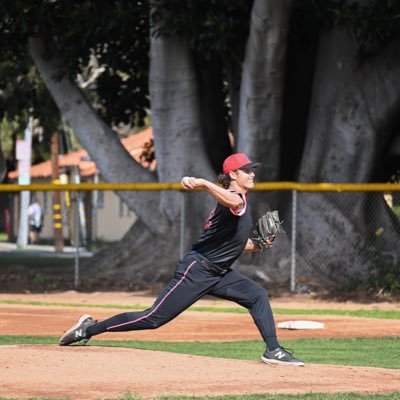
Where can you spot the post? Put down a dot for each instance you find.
(77, 228)
(76, 179)
(23, 230)
(293, 247)
(24, 178)
(182, 226)
(95, 205)
(57, 211)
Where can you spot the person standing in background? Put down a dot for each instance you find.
(35, 222)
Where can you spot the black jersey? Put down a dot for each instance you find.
(225, 235)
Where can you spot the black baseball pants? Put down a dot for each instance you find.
(191, 281)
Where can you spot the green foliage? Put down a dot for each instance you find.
(113, 37)
(7, 130)
(211, 28)
(42, 283)
(23, 93)
(385, 274)
(115, 33)
(396, 211)
(370, 23)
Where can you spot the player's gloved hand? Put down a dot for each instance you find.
(267, 228)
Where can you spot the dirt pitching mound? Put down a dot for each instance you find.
(93, 372)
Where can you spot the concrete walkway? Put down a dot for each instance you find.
(42, 250)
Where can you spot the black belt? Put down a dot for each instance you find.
(209, 265)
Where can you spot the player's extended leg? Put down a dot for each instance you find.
(181, 292)
(190, 282)
(238, 288)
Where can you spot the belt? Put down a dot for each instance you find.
(209, 265)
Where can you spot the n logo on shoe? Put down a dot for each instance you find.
(280, 355)
(78, 333)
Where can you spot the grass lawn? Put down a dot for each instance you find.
(369, 352)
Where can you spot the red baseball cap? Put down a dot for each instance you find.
(237, 161)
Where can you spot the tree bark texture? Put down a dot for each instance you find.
(354, 110)
(261, 92)
(116, 165)
(103, 145)
(175, 111)
(260, 112)
(142, 257)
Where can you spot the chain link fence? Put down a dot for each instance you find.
(338, 239)
(333, 238)
(356, 241)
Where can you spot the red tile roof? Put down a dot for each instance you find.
(134, 144)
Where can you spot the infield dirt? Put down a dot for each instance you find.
(98, 372)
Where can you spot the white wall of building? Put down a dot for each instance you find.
(110, 220)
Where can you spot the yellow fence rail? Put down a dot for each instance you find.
(307, 264)
(261, 186)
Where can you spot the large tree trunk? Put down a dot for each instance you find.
(150, 249)
(116, 165)
(177, 126)
(176, 116)
(141, 258)
(101, 142)
(148, 252)
(233, 67)
(356, 104)
(261, 92)
(261, 98)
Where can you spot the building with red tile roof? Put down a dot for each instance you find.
(105, 216)
(135, 144)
